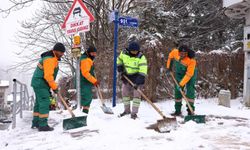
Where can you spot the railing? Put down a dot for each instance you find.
(21, 100)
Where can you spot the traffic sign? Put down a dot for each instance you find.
(128, 22)
(78, 18)
(78, 26)
(227, 3)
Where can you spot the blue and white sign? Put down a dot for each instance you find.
(128, 22)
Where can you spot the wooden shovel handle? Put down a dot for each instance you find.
(65, 104)
(145, 97)
(99, 92)
(182, 93)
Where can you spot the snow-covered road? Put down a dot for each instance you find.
(225, 128)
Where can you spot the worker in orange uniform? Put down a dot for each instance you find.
(42, 81)
(183, 60)
(87, 79)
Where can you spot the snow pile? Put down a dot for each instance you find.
(225, 128)
(219, 51)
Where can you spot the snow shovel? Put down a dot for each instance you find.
(195, 118)
(105, 109)
(162, 125)
(73, 122)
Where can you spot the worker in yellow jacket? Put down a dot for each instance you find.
(183, 60)
(133, 64)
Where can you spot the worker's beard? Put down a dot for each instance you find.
(90, 56)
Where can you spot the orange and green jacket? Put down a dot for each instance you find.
(185, 67)
(87, 69)
(46, 71)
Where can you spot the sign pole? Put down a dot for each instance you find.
(78, 90)
(77, 21)
(76, 53)
(116, 21)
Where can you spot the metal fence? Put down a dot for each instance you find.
(21, 100)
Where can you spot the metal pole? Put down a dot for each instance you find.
(116, 21)
(24, 98)
(21, 102)
(78, 95)
(14, 105)
(31, 102)
(27, 98)
(78, 88)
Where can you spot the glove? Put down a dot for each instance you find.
(135, 86)
(122, 74)
(179, 87)
(140, 79)
(97, 83)
(55, 91)
(120, 69)
(52, 101)
(50, 94)
(52, 105)
(168, 71)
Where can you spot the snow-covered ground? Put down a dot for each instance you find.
(225, 128)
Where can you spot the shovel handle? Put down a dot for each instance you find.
(99, 92)
(65, 104)
(182, 93)
(145, 97)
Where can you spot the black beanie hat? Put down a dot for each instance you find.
(134, 46)
(91, 49)
(183, 48)
(59, 47)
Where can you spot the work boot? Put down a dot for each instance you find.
(176, 113)
(123, 114)
(134, 116)
(126, 111)
(86, 111)
(45, 128)
(34, 126)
